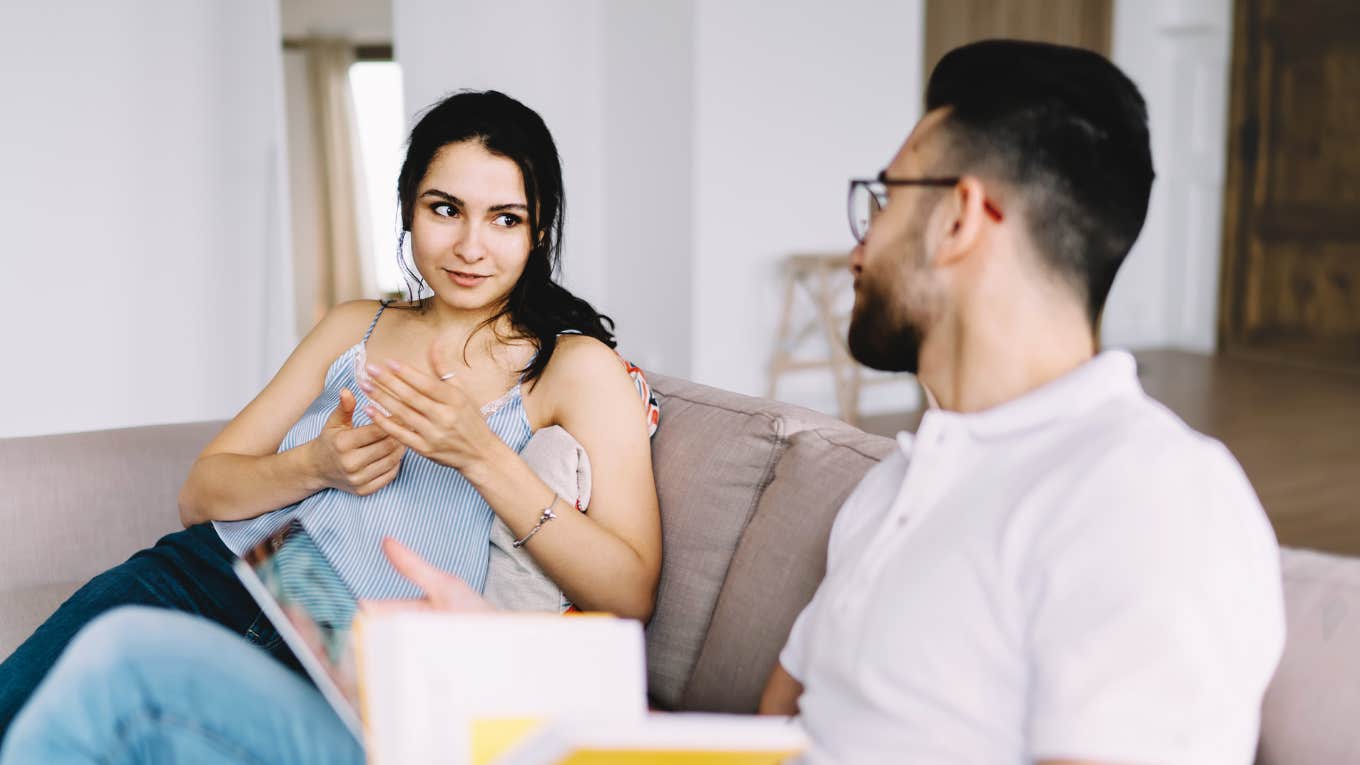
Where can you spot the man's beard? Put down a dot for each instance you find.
(880, 337)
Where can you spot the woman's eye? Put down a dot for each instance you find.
(507, 220)
(444, 209)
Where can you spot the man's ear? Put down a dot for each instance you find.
(967, 215)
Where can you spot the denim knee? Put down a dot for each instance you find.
(118, 639)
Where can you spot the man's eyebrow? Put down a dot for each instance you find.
(446, 196)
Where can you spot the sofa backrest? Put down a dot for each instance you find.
(748, 489)
(123, 483)
(76, 504)
(716, 455)
(778, 564)
(1312, 705)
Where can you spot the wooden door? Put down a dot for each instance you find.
(1291, 241)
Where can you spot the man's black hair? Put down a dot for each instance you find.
(1068, 131)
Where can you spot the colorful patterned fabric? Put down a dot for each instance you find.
(644, 390)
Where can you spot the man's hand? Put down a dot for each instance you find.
(443, 591)
(781, 693)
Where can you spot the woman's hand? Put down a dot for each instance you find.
(434, 417)
(355, 460)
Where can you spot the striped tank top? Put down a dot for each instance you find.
(429, 507)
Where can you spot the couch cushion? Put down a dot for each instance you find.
(1313, 703)
(27, 607)
(713, 455)
(778, 564)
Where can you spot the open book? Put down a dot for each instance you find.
(485, 689)
(663, 739)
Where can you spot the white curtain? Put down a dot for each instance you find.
(331, 259)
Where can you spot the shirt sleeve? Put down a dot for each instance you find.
(1154, 613)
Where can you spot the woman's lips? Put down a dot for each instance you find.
(464, 279)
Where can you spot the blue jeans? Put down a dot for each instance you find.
(186, 571)
(142, 685)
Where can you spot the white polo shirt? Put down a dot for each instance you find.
(1073, 574)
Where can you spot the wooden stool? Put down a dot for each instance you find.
(823, 278)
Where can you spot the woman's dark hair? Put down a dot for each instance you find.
(538, 307)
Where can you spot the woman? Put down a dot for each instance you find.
(449, 389)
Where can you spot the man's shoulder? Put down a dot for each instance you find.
(1143, 441)
(1148, 480)
(871, 498)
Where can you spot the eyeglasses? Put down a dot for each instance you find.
(869, 196)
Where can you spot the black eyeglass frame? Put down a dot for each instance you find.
(878, 198)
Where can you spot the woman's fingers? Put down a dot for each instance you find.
(413, 387)
(372, 486)
(404, 435)
(420, 383)
(396, 407)
(356, 460)
(372, 471)
(362, 436)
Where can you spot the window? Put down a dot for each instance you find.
(381, 119)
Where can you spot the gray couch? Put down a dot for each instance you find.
(748, 490)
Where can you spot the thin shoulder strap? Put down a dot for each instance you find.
(382, 306)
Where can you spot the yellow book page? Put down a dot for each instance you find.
(675, 757)
(493, 737)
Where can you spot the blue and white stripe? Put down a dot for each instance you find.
(429, 507)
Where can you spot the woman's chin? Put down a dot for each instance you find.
(473, 301)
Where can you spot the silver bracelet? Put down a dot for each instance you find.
(547, 515)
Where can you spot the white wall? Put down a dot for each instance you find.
(648, 154)
(792, 101)
(1178, 52)
(143, 258)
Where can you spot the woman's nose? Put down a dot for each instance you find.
(470, 247)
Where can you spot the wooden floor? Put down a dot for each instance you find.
(1296, 432)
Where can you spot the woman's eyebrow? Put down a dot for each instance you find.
(446, 196)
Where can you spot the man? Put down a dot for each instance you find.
(1055, 568)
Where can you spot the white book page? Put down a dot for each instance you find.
(426, 676)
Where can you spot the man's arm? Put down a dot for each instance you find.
(781, 693)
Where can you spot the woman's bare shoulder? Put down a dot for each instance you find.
(347, 318)
(581, 355)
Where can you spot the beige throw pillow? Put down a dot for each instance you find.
(514, 582)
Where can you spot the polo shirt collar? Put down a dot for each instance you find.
(1109, 375)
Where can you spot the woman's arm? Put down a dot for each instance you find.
(607, 560)
(239, 474)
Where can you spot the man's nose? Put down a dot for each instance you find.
(857, 259)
